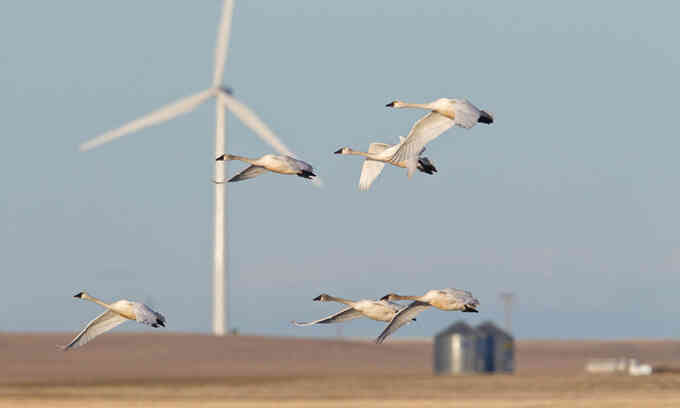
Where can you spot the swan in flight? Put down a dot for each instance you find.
(461, 111)
(380, 310)
(116, 314)
(269, 162)
(378, 154)
(443, 299)
(445, 113)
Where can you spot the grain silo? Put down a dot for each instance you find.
(495, 349)
(455, 350)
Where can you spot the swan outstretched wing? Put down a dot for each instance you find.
(101, 324)
(146, 315)
(369, 172)
(428, 128)
(404, 316)
(248, 173)
(342, 316)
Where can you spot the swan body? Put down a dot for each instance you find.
(380, 153)
(380, 310)
(445, 113)
(444, 299)
(270, 162)
(117, 313)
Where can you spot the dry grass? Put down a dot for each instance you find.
(129, 370)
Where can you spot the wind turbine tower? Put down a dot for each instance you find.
(508, 299)
(223, 99)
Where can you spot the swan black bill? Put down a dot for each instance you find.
(391, 104)
(485, 117)
(469, 309)
(338, 151)
(78, 295)
(318, 298)
(386, 297)
(220, 158)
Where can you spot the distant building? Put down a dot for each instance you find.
(461, 349)
(495, 349)
(455, 350)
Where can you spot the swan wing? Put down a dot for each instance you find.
(463, 297)
(428, 128)
(342, 316)
(404, 316)
(298, 164)
(466, 114)
(248, 173)
(146, 315)
(369, 172)
(101, 324)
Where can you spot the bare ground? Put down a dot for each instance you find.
(125, 369)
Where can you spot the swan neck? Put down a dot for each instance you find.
(400, 297)
(340, 300)
(97, 301)
(414, 105)
(240, 158)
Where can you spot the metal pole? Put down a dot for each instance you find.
(508, 298)
(220, 324)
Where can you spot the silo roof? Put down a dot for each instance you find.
(489, 327)
(460, 327)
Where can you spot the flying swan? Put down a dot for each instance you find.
(443, 299)
(269, 162)
(445, 113)
(117, 313)
(378, 154)
(380, 310)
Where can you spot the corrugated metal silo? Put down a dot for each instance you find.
(496, 349)
(455, 350)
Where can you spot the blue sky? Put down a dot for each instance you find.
(570, 199)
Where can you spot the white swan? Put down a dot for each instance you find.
(270, 162)
(378, 154)
(117, 313)
(445, 114)
(443, 299)
(380, 310)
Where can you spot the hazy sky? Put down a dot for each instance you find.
(570, 199)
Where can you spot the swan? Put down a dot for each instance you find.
(378, 154)
(380, 310)
(117, 313)
(445, 113)
(269, 162)
(461, 111)
(443, 299)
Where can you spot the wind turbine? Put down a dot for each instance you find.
(224, 99)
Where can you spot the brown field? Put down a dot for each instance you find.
(186, 370)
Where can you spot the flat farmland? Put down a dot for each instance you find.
(183, 370)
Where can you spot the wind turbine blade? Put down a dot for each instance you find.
(222, 41)
(167, 112)
(250, 119)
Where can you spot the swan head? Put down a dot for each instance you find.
(343, 150)
(395, 104)
(389, 297)
(322, 298)
(80, 295)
